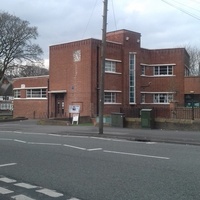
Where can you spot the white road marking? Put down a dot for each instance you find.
(50, 193)
(18, 132)
(117, 140)
(21, 197)
(56, 135)
(27, 133)
(25, 185)
(133, 154)
(20, 141)
(5, 191)
(7, 180)
(8, 164)
(151, 143)
(73, 199)
(41, 143)
(96, 149)
(30, 133)
(74, 147)
(99, 138)
(76, 136)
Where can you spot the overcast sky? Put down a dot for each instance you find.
(162, 23)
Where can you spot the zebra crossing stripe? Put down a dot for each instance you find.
(50, 193)
(21, 197)
(5, 191)
(8, 164)
(7, 180)
(25, 185)
(45, 191)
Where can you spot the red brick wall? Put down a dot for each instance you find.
(34, 81)
(192, 84)
(130, 43)
(173, 83)
(80, 81)
(74, 77)
(30, 108)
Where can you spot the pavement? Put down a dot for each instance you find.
(141, 135)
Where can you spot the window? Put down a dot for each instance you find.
(142, 98)
(187, 72)
(163, 70)
(131, 77)
(110, 97)
(162, 98)
(110, 66)
(6, 106)
(17, 94)
(36, 93)
(142, 70)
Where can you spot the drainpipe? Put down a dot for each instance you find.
(48, 98)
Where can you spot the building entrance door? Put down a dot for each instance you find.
(59, 105)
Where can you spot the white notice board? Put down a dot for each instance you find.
(74, 109)
(75, 118)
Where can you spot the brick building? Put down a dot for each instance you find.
(6, 97)
(30, 97)
(133, 76)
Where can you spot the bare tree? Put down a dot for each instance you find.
(16, 45)
(194, 53)
(33, 71)
(26, 70)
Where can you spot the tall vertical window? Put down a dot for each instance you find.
(131, 78)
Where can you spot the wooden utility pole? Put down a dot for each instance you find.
(103, 55)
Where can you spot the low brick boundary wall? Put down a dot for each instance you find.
(167, 124)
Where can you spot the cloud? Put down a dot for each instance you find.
(61, 21)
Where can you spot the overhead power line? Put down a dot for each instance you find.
(113, 8)
(95, 4)
(184, 10)
(186, 6)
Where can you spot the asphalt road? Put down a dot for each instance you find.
(90, 168)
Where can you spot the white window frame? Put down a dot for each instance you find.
(158, 70)
(36, 93)
(162, 98)
(110, 97)
(6, 106)
(132, 77)
(110, 66)
(143, 70)
(17, 94)
(142, 98)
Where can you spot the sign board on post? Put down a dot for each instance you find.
(74, 110)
